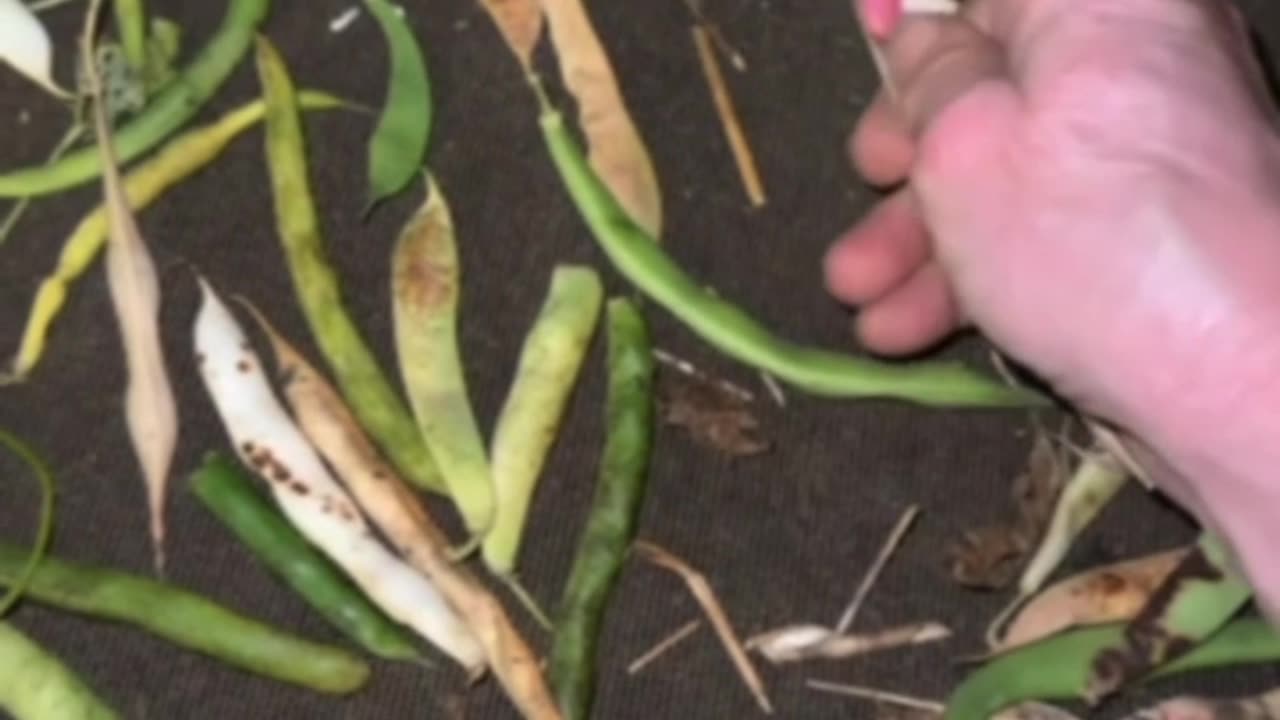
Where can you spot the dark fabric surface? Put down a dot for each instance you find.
(783, 537)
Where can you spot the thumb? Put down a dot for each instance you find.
(934, 59)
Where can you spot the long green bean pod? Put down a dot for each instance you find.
(178, 160)
(615, 508)
(36, 685)
(426, 282)
(399, 142)
(729, 329)
(225, 489)
(181, 99)
(1058, 668)
(371, 396)
(1201, 595)
(131, 24)
(187, 620)
(550, 359)
(44, 530)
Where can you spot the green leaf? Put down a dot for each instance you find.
(398, 146)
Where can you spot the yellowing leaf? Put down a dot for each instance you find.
(617, 153)
(25, 46)
(150, 409)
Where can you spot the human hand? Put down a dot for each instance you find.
(1095, 185)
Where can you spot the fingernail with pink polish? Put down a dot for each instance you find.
(881, 16)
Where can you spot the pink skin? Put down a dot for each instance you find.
(1095, 185)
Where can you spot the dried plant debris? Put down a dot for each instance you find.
(713, 415)
(1258, 707)
(663, 646)
(988, 558)
(706, 597)
(1109, 593)
(809, 642)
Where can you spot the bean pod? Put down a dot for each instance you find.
(611, 524)
(223, 487)
(186, 619)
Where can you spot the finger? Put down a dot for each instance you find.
(880, 16)
(913, 317)
(878, 254)
(881, 147)
(933, 60)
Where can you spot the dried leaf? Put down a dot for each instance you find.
(702, 592)
(616, 151)
(714, 417)
(150, 409)
(987, 558)
(1110, 593)
(25, 46)
(520, 22)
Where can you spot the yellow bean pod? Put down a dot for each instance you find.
(176, 161)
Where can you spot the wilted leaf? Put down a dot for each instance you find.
(616, 151)
(25, 46)
(988, 557)
(714, 417)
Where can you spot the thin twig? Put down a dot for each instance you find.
(684, 367)
(735, 58)
(886, 551)
(882, 696)
(807, 642)
(664, 645)
(45, 5)
(729, 121)
(775, 390)
(702, 592)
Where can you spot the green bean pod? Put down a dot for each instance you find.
(181, 99)
(225, 489)
(131, 24)
(366, 388)
(615, 508)
(426, 287)
(550, 359)
(399, 141)
(187, 620)
(1201, 595)
(728, 328)
(36, 685)
(1058, 667)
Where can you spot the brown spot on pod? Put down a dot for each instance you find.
(299, 488)
(244, 366)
